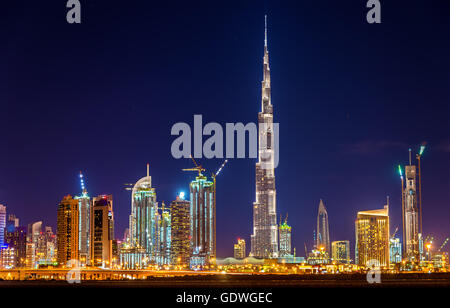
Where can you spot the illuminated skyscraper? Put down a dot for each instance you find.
(340, 251)
(102, 231)
(239, 249)
(202, 225)
(67, 231)
(264, 240)
(2, 224)
(285, 239)
(411, 215)
(323, 233)
(180, 230)
(84, 206)
(144, 217)
(372, 237)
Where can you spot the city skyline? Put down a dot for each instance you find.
(368, 158)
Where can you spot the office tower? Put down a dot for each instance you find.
(2, 224)
(67, 231)
(164, 235)
(202, 221)
(285, 239)
(264, 240)
(102, 231)
(323, 233)
(17, 238)
(180, 221)
(340, 251)
(411, 215)
(144, 217)
(84, 207)
(239, 249)
(33, 234)
(395, 250)
(372, 237)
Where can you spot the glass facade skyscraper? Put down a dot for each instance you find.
(202, 227)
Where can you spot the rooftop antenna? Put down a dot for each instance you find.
(265, 30)
(83, 188)
(410, 156)
(148, 174)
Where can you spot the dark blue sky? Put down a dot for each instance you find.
(350, 97)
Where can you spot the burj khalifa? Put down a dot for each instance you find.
(264, 240)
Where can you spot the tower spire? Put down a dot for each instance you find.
(265, 30)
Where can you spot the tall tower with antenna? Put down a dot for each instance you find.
(84, 208)
(264, 240)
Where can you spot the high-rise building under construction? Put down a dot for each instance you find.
(264, 240)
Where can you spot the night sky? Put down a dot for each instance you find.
(350, 97)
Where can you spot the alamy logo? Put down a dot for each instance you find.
(73, 276)
(266, 134)
(74, 14)
(374, 272)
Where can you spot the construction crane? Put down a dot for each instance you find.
(395, 232)
(197, 168)
(443, 245)
(418, 157)
(214, 175)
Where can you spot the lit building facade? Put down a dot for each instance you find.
(340, 251)
(264, 240)
(2, 224)
(180, 231)
(8, 257)
(395, 250)
(203, 222)
(411, 215)
(165, 235)
(285, 239)
(67, 231)
(102, 231)
(17, 237)
(372, 237)
(323, 231)
(239, 249)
